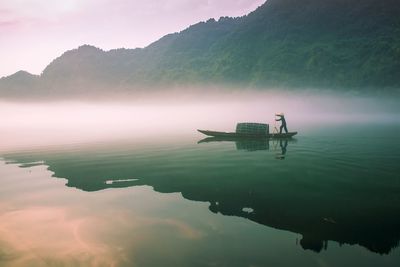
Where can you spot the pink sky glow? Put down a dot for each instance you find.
(33, 32)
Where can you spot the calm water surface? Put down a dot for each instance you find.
(329, 197)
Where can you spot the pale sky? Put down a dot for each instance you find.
(34, 32)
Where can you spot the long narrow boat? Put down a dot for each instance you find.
(237, 135)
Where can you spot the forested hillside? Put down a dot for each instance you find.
(332, 44)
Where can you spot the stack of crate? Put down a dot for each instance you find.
(251, 128)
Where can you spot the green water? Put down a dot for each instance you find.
(329, 197)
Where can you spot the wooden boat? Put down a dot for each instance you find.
(238, 135)
(211, 139)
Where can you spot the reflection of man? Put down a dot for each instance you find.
(282, 119)
(283, 144)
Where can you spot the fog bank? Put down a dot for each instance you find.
(180, 114)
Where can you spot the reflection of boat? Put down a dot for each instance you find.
(239, 135)
(251, 144)
(243, 139)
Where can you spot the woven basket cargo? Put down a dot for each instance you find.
(252, 128)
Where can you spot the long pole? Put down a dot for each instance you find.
(275, 130)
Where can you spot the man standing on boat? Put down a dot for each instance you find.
(282, 119)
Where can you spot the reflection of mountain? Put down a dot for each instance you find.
(330, 204)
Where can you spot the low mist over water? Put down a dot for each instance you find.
(178, 114)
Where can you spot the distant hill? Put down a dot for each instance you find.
(334, 44)
(20, 83)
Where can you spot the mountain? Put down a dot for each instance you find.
(20, 83)
(333, 44)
